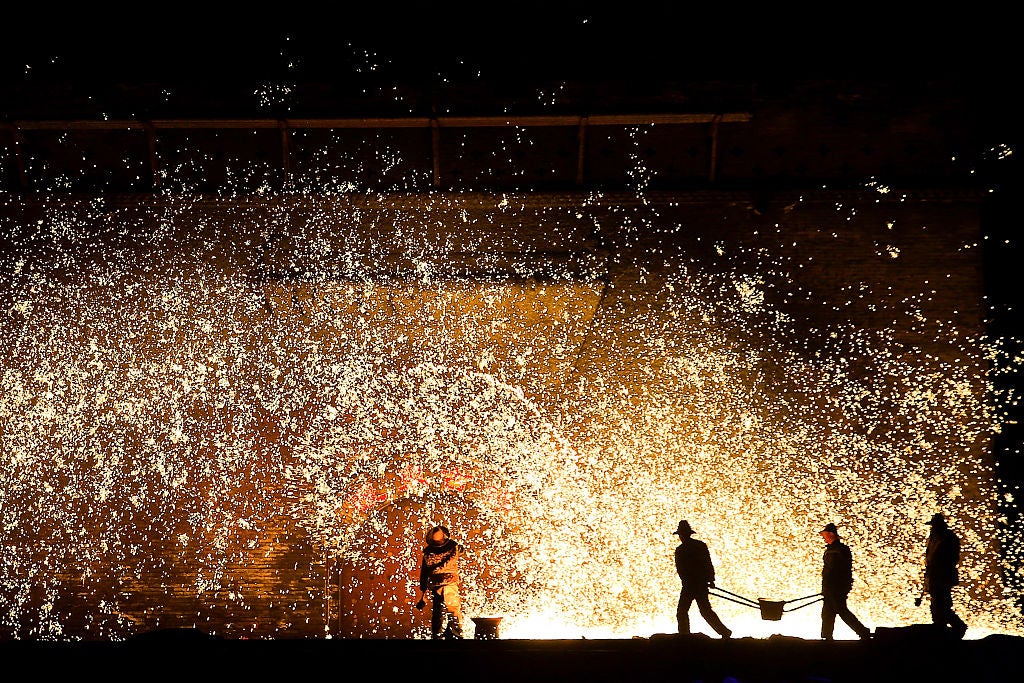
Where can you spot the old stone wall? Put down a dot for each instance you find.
(167, 378)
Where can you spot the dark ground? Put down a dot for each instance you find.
(912, 653)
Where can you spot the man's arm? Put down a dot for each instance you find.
(710, 567)
(848, 568)
(422, 602)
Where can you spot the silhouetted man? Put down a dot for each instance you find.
(836, 584)
(439, 574)
(940, 574)
(697, 573)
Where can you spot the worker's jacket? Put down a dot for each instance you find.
(440, 565)
(940, 560)
(837, 569)
(693, 564)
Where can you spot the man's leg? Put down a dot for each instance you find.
(828, 617)
(683, 611)
(958, 624)
(851, 620)
(704, 604)
(938, 608)
(453, 606)
(436, 613)
(943, 614)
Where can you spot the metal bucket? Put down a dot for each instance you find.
(486, 628)
(771, 610)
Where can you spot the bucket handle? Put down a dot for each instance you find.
(716, 591)
(733, 597)
(818, 597)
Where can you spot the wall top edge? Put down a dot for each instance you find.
(497, 199)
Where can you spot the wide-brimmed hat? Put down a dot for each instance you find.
(937, 520)
(831, 528)
(683, 529)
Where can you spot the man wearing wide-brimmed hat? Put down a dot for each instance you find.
(940, 574)
(696, 571)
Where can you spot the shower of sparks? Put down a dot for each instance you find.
(187, 383)
(270, 95)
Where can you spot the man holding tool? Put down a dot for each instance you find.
(439, 576)
(697, 573)
(940, 575)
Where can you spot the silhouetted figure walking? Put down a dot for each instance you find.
(697, 573)
(836, 584)
(940, 573)
(439, 574)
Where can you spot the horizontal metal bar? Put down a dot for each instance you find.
(167, 124)
(383, 122)
(76, 125)
(670, 119)
(373, 122)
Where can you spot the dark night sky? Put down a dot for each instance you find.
(549, 40)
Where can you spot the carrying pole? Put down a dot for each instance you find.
(716, 591)
(818, 598)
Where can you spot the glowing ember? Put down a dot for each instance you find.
(187, 383)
